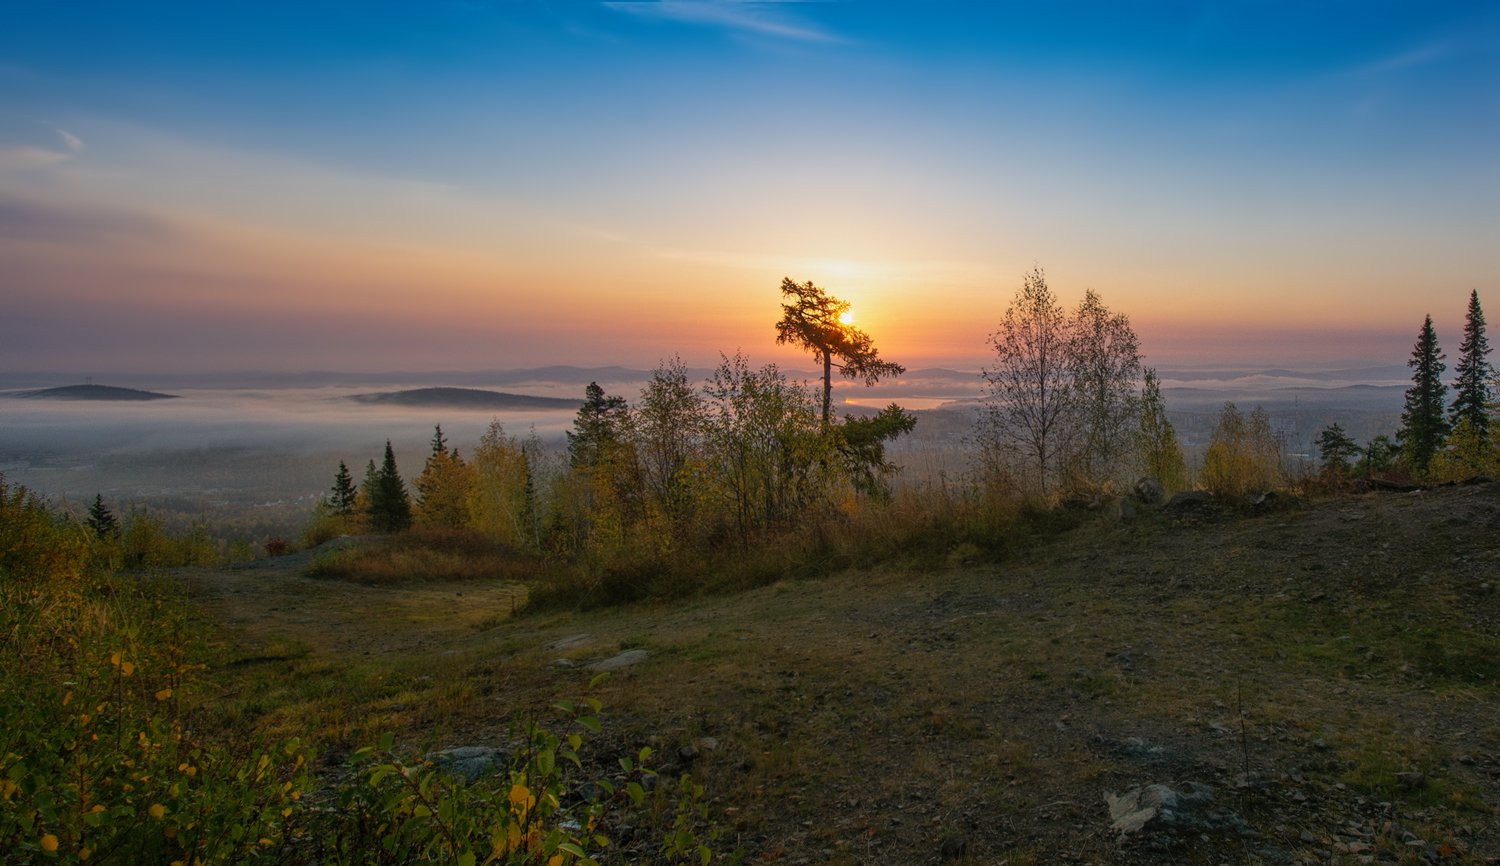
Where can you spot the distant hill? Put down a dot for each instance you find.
(93, 392)
(465, 398)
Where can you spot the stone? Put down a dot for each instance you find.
(708, 744)
(624, 659)
(569, 642)
(1477, 479)
(1140, 808)
(1150, 491)
(1411, 780)
(469, 762)
(1359, 485)
(1391, 486)
(561, 663)
(687, 753)
(1188, 500)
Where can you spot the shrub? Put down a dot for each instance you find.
(96, 762)
(1243, 454)
(426, 555)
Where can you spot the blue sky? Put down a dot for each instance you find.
(524, 183)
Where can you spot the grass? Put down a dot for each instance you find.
(974, 689)
(426, 555)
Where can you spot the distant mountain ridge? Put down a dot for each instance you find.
(465, 398)
(93, 392)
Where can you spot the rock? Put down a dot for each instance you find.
(470, 762)
(1391, 486)
(953, 847)
(1411, 780)
(687, 753)
(624, 659)
(708, 744)
(1188, 500)
(561, 663)
(1150, 491)
(1320, 745)
(570, 642)
(1139, 809)
(1477, 479)
(1359, 485)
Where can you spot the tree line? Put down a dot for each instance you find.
(1438, 441)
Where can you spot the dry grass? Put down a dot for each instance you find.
(424, 556)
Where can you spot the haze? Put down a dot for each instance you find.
(446, 186)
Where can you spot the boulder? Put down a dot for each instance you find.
(569, 642)
(1391, 486)
(1150, 491)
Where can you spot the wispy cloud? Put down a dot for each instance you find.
(73, 142)
(764, 17)
(1419, 56)
(23, 218)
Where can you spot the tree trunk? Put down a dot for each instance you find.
(827, 384)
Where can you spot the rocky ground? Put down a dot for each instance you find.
(1293, 684)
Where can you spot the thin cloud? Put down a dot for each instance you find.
(1408, 59)
(73, 142)
(751, 16)
(30, 158)
(24, 218)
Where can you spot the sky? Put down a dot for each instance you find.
(451, 186)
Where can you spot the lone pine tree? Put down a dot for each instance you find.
(1472, 387)
(1423, 424)
(816, 321)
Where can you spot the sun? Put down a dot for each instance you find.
(846, 318)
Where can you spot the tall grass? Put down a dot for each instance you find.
(427, 555)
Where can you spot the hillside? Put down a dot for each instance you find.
(464, 398)
(1296, 662)
(93, 392)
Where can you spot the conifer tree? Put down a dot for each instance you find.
(1336, 449)
(101, 520)
(597, 427)
(1472, 387)
(344, 491)
(387, 502)
(443, 487)
(816, 321)
(1423, 425)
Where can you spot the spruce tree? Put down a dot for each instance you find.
(344, 491)
(101, 520)
(1472, 387)
(1423, 424)
(388, 504)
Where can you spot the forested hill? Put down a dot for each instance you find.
(94, 392)
(466, 398)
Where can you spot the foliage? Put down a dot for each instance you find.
(444, 488)
(1105, 360)
(596, 430)
(1467, 452)
(146, 544)
(1157, 448)
(421, 555)
(395, 812)
(1061, 406)
(324, 524)
(386, 502)
(769, 463)
(344, 492)
(1243, 454)
(860, 443)
(668, 431)
(1336, 450)
(1423, 425)
(814, 320)
(502, 496)
(96, 760)
(101, 520)
(1377, 457)
(1472, 388)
